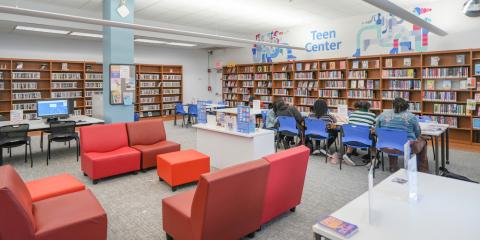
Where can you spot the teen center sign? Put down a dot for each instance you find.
(321, 41)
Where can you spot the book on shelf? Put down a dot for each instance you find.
(343, 228)
(332, 65)
(476, 123)
(463, 85)
(477, 69)
(460, 59)
(64, 66)
(361, 84)
(471, 104)
(407, 62)
(298, 66)
(342, 64)
(355, 64)
(471, 83)
(447, 84)
(324, 66)
(434, 61)
(365, 64)
(353, 84)
(19, 65)
(388, 63)
(307, 66)
(430, 85)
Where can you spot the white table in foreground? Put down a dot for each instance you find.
(35, 125)
(447, 209)
(227, 148)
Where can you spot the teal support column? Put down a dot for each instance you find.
(118, 48)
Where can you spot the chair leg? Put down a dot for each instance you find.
(325, 146)
(10, 152)
(169, 237)
(41, 141)
(48, 151)
(78, 148)
(31, 157)
(433, 151)
(183, 121)
(69, 146)
(26, 152)
(175, 119)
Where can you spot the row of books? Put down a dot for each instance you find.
(1, 75)
(171, 84)
(88, 112)
(454, 72)
(287, 67)
(151, 77)
(405, 84)
(304, 109)
(246, 97)
(149, 91)
(243, 90)
(30, 116)
(174, 77)
(229, 84)
(306, 101)
(361, 94)
(247, 84)
(24, 85)
(440, 96)
(278, 91)
(303, 75)
(63, 85)
(70, 94)
(231, 77)
(88, 102)
(366, 64)
(247, 69)
(150, 84)
(336, 102)
(451, 121)
(262, 76)
(306, 66)
(94, 76)
(390, 95)
(229, 70)
(66, 76)
(311, 85)
(265, 84)
(171, 99)
(263, 91)
(328, 93)
(91, 93)
(149, 114)
(168, 106)
(26, 96)
(24, 106)
(147, 99)
(301, 92)
(287, 100)
(335, 84)
(398, 73)
(229, 96)
(333, 65)
(2, 85)
(280, 76)
(93, 84)
(330, 75)
(452, 109)
(26, 75)
(267, 99)
(357, 74)
(150, 107)
(264, 68)
(365, 84)
(244, 77)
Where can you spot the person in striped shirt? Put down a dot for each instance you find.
(361, 116)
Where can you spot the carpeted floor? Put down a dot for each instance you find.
(133, 202)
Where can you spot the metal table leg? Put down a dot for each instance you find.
(443, 149)
(447, 145)
(436, 154)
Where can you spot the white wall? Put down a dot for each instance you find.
(35, 46)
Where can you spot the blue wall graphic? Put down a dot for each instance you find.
(392, 33)
(264, 54)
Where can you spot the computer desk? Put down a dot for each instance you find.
(40, 125)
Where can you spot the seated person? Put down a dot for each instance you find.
(402, 119)
(361, 116)
(280, 108)
(271, 118)
(320, 111)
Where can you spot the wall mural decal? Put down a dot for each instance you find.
(264, 54)
(385, 30)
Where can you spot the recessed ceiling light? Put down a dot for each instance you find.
(82, 34)
(182, 44)
(143, 40)
(45, 30)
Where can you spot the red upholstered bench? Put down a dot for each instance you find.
(177, 168)
(53, 186)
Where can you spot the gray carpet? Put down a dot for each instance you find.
(133, 202)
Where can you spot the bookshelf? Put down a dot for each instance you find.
(437, 84)
(25, 81)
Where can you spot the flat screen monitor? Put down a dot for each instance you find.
(52, 108)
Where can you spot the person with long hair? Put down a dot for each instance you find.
(280, 108)
(402, 119)
(320, 111)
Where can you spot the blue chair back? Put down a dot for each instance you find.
(192, 109)
(424, 119)
(287, 125)
(264, 119)
(316, 127)
(356, 135)
(391, 138)
(179, 109)
(209, 101)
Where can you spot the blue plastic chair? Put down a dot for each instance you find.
(179, 111)
(316, 129)
(356, 136)
(390, 139)
(287, 127)
(209, 101)
(192, 113)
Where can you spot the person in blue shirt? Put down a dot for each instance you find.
(402, 119)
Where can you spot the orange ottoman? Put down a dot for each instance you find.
(177, 168)
(53, 186)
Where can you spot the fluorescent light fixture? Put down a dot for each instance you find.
(182, 44)
(44, 30)
(143, 40)
(82, 34)
(123, 9)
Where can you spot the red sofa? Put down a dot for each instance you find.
(150, 139)
(226, 204)
(73, 216)
(286, 177)
(105, 151)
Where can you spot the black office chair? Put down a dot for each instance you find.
(63, 131)
(15, 136)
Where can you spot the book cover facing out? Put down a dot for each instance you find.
(341, 227)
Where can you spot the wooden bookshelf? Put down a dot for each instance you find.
(25, 81)
(435, 84)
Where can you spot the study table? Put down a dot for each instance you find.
(229, 147)
(446, 209)
(233, 111)
(39, 125)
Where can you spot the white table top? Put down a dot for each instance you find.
(215, 128)
(254, 111)
(40, 124)
(215, 105)
(447, 209)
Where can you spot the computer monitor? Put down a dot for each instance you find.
(52, 108)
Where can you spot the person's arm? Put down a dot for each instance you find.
(416, 126)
